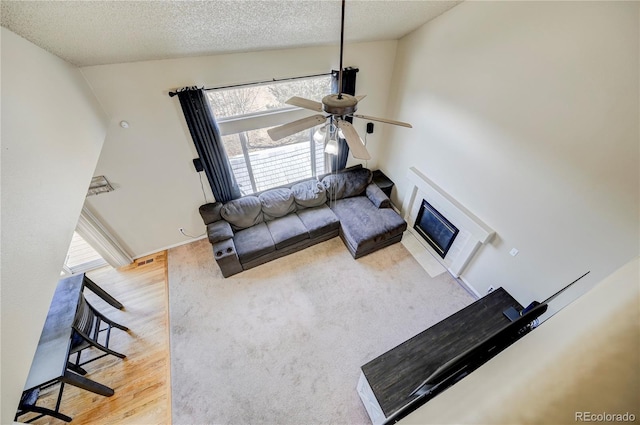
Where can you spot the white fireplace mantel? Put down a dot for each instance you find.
(473, 232)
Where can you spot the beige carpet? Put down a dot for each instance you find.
(283, 343)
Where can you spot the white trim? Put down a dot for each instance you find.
(66, 271)
(90, 229)
(91, 265)
(175, 245)
(266, 118)
(370, 401)
(469, 288)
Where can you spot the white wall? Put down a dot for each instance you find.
(527, 114)
(584, 359)
(52, 132)
(157, 188)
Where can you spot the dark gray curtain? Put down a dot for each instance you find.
(206, 136)
(339, 162)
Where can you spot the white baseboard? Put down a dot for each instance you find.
(470, 289)
(171, 246)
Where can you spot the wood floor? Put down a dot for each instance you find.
(141, 381)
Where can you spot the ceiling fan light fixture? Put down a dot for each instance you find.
(320, 134)
(331, 148)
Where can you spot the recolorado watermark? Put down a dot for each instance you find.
(604, 417)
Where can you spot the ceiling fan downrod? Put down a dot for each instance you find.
(340, 104)
(337, 107)
(341, 51)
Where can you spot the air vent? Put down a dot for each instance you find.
(143, 262)
(99, 184)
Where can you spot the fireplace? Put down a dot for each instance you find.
(470, 232)
(435, 229)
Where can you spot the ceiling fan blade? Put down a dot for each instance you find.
(305, 103)
(385, 120)
(280, 132)
(357, 148)
(360, 97)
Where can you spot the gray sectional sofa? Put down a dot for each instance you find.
(254, 229)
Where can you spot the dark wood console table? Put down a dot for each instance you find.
(387, 381)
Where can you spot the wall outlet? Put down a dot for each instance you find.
(490, 289)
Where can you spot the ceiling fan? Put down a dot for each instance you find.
(337, 107)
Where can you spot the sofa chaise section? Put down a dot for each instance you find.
(367, 221)
(364, 228)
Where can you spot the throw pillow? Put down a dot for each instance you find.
(277, 203)
(334, 184)
(357, 182)
(309, 194)
(243, 212)
(347, 184)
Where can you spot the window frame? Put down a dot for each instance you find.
(241, 124)
(258, 120)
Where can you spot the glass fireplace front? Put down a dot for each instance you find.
(435, 229)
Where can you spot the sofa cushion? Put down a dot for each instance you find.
(364, 225)
(219, 231)
(309, 194)
(348, 183)
(287, 230)
(253, 242)
(319, 221)
(210, 212)
(243, 212)
(277, 203)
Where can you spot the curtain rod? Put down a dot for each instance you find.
(274, 80)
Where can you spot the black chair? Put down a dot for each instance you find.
(88, 329)
(28, 405)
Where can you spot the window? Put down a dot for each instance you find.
(244, 114)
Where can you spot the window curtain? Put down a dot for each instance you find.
(339, 162)
(208, 141)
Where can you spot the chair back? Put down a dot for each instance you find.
(87, 326)
(84, 319)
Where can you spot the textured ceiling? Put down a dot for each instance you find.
(101, 32)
